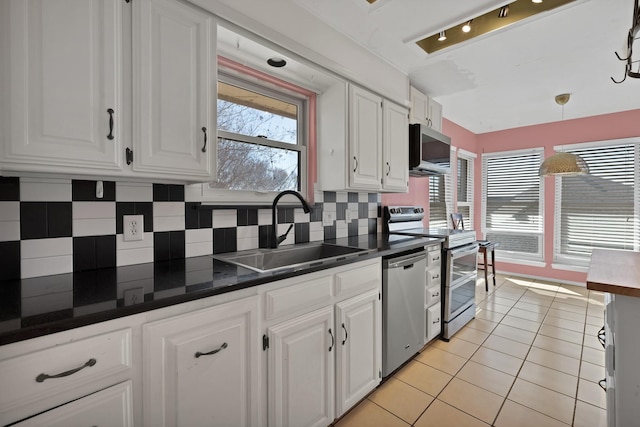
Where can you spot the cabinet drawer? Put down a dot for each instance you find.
(306, 295)
(434, 258)
(434, 277)
(112, 406)
(433, 295)
(63, 368)
(434, 323)
(358, 280)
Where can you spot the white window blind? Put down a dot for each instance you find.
(598, 210)
(440, 201)
(513, 203)
(465, 189)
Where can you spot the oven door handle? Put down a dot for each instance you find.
(465, 250)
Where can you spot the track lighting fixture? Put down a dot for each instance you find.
(504, 15)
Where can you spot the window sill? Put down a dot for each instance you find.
(569, 267)
(528, 262)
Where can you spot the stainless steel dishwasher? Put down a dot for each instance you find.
(403, 314)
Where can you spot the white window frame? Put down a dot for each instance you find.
(246, 197)
(447, 181)
(508, 255)
(568, 262)
(470, 158)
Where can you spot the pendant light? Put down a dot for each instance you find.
(561, 163)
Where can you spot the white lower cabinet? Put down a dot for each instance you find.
(109, 407)
(201, 368)
(323, 362)
(434, 322)
(359, 349)
(301, 370)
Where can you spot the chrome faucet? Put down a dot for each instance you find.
(275, 239)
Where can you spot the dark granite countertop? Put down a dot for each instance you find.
(44, 305)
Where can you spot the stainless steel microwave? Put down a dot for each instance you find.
(429, 151)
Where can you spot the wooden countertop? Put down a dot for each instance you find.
(615, 272)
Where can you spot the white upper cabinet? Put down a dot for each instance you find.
(174, 69)
(63, 105)
(425, 110)
(395, 175)
(365, 139)
(71, 86)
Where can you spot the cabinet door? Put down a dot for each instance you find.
(201, 368)
(365, 139)
(434, 322)
(174, 67)
(396, 147)
(419, 106)
(64, 78)
(359, 349)
(110, 407)
(435, 115)
(302, 370)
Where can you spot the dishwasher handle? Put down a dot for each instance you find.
(407, 262)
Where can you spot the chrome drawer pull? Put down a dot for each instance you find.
(40, 378)
(222, 347)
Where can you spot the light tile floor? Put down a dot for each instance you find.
(529, 358)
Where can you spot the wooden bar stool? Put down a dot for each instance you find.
(486, 248)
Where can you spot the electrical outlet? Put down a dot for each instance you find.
(328, 217)
(348, 216)
(133, 296)
(133, 227)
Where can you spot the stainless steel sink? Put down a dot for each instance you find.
(295, 256)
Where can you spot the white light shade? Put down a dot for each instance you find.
(442, 36)
(466, 27)
(564, 164)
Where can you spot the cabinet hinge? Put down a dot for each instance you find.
(379, 374)
(265, 342)
(128, 155)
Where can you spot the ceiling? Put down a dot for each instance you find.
(507, 78)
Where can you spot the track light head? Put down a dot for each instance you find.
(467, 26)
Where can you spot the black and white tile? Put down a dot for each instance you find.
(53, 226)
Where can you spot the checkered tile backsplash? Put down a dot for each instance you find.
(52, 226)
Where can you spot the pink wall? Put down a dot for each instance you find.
(610, 126)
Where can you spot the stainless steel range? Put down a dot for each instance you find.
(459, 250)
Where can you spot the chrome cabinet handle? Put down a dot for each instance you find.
(388, 168)
(110, 112)
(436, 321)
(40, 378)
(222, 347)
(603, 384)
(204, 147)
(601, 336)
(333, 340)
(346, 334)
(356, 166)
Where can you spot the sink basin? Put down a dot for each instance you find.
(296, 256)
